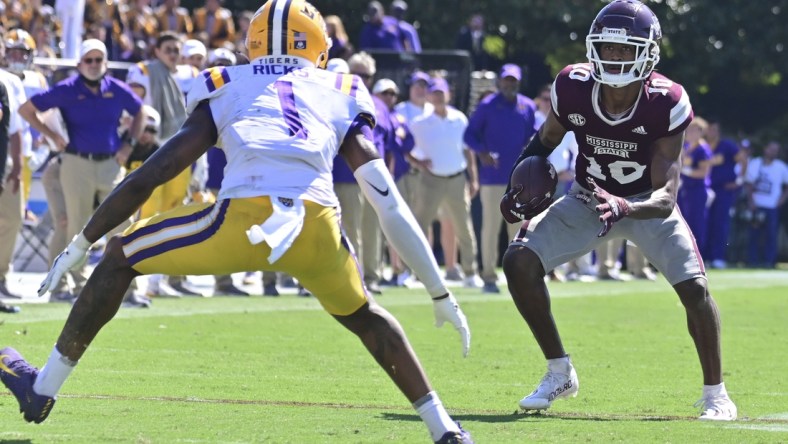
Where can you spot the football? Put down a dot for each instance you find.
(537, 176)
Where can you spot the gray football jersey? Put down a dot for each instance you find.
(617, 153)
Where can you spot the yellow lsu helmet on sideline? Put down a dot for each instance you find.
(288, 27)
(22, 40)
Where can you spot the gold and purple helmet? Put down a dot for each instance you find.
(288, 28)
(21, 40)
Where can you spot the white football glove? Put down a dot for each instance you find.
(74, 256)
(447, 310)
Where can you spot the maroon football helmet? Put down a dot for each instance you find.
(626, 22)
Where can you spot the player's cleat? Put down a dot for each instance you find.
(19, 377)
(228, 290)
(461, 437)
(717, 408)
(8, 308)
(554, 385)
(270, 290)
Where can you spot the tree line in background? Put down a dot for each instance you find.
(730, 56)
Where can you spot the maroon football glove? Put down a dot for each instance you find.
(515, 212)
(611, 208)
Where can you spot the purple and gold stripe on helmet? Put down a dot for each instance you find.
(216, 77)
(285, 29)
(177, 232)
(270, 21)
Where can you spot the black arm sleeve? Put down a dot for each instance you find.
(535, 147)
(4, 129)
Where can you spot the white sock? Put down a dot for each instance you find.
(431, 410)
(714, 390)
(559, 365)
(54, 374)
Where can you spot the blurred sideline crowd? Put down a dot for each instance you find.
(451, 168)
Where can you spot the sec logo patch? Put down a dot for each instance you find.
(577, 119)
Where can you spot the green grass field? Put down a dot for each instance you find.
(281, 370)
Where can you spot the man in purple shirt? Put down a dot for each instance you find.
(498, 130)
(408, 33)
(725, 155)
(380, 31)
(694, 188)
(91, 104)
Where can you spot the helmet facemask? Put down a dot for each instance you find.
(604, 71)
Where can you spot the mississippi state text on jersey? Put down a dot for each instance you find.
(617, 152)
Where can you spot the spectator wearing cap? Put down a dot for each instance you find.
(91, 104)
(221, 57)
(380, 31)
(408, 33)
(194, 54)
(418, 91)
(214, 24)
(443, 160)
(338, 66)
(340, 42)
(500, 127)
(172, 17)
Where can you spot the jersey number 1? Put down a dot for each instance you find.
(284, 89)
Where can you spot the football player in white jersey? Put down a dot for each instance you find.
(281, 121)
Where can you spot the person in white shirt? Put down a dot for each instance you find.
(442, 158)
(766, 185)
(417, 105)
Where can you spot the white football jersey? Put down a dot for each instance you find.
(280, 123)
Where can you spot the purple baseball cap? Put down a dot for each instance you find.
(439, 84)
(420, 76)
(511, 70)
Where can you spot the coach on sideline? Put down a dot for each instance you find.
(498, 130)
(91, 104)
